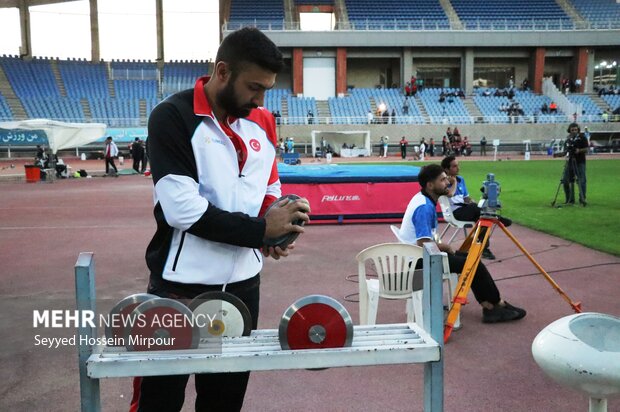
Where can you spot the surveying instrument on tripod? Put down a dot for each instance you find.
(475, 243)
(575, 149)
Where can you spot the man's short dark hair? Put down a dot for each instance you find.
(429, 173)
(250, 45)
(446, 161)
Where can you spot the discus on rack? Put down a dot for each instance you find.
(315, 322)
(119, 314)
(161, 324)
(221, 314)
(286, 239)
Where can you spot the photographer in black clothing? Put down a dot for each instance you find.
(576, 147)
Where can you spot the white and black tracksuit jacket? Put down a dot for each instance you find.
(212, 181)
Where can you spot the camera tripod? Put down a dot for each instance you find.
(474, 245)
(570, 164)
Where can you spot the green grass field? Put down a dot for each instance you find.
(528, 188)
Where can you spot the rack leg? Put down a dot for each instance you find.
(432, 302)
(85, 299)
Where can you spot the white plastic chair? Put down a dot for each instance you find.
(448, 216)
(395, 266)
(448, 277)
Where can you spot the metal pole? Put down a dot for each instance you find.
(432, 303)
(85, 299)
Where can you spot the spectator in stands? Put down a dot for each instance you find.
(403, 147)
(460, 93)
(406, 106)
(544, 109)
(278, 117)
(393, 116)
(218, 214)
(578, 85)
(369, 116)
(111, 151)
(498, 93)
(449, 133)
(414, 89)
(310, 117)
(408, 89)
(483, 146)
(386, 116)
(511, 83)
(137, 155)
(553, 107)
(510, 94)
(525, 85)
(456, 132)
(463, 206)
(486, 93)
(605, 116)
(442, 97)
(419, 226)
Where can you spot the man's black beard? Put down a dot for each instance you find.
(228, 101)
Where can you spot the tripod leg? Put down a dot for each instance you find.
(575, 305)
(562, 181)
(476, 242)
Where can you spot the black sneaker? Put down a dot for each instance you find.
(487, 254)
(520, 311)
(499, 314)
(583, 203)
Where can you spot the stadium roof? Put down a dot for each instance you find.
(16, 3)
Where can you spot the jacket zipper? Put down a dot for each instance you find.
(176, 258)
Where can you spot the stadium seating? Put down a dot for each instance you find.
(512, 15)
(5, 110)
(315, 2)
(273, 99)
(181, 76)
(33, 79)
(588, 106)
(452, 110)
(84, 79)
(298, 108)
(613, 100)
(116, 112)
(266, 14)
(530, 103)
(602, 14)
(396, 14)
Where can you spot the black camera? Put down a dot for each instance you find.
(570, 146)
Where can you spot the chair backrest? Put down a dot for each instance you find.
(448, 216)
(396, 232)
(395, 265)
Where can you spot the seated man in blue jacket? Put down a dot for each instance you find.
(420, 226)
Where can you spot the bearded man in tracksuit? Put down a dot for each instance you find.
(213, 159)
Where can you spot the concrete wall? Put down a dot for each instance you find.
(506, 133)
(366, 73)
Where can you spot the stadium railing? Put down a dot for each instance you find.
(438, 25)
